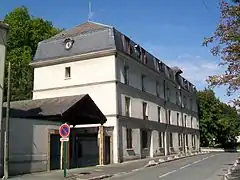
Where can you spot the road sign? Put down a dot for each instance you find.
(64, 139)
(64, 130)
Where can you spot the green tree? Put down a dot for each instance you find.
(24, 34)
(226, 45)
(219, 122)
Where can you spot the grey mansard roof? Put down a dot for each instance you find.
(88, 37)
(92, 37)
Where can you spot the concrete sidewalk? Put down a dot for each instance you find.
(100, 172)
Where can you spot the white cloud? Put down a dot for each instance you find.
(194, 68)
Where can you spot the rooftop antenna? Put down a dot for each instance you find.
(89, 11)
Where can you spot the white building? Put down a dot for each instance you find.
(151, 109)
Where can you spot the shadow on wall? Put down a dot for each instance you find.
(28, 144)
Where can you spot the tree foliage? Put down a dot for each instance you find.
(226, 45)
(25, 31)
(219, 122)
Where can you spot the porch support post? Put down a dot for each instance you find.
(101, 144)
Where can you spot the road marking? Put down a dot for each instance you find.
(167, 173)
(205, 158)
(185, 166)
(197, 161)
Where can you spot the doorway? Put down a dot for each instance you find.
(55, 151)
(107, 150)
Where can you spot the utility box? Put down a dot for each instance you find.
(3, 43)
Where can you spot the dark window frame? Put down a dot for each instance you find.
(129, 138)
(68, 72)
(126, 74)
(144, 139)
(127, 106)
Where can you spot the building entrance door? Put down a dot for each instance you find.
(55, 151)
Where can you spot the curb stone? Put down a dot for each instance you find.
(101, 177)
(231, 169)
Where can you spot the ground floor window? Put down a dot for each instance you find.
(144, 138)
(186, 139)
(180, 140)
(129, 138)
(193, 140)
(161, 139)
(170, 139)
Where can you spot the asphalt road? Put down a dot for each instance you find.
(204, 167)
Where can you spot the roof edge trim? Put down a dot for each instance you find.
(47, 62)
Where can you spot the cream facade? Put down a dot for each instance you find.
(152, 109)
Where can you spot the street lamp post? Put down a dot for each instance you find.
(3, 42)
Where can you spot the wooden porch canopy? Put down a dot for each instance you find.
(75, 110)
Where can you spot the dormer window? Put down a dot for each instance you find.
(128, 45)
(144, 56)
(67, 72)
(137, 50)
(156, 66)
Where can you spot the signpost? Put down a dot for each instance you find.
(64, 131)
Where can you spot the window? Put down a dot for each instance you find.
(170, 140)
(156, 64)
(186, 140)
(168, 94)
(144, 138)
(137, 51)
(126, 75)
(143, 82)
(127, 106)
(191, 122)
(164, 89)
(178, 120)
(180, 98)
(129, 138)
(169, 116)
(190, 105)
(157, 89)
(144, 56)
(182, 121)
(127, 45)
(159, 114)
(161, 139)
(179, 140)
(160, 66)
(67, 72)
(177, 100)
(193, 140)
(145, 110)
(184, 101)
(185, 120)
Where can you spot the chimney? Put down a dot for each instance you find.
(177, 70)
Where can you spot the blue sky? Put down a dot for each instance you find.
(171, 30)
